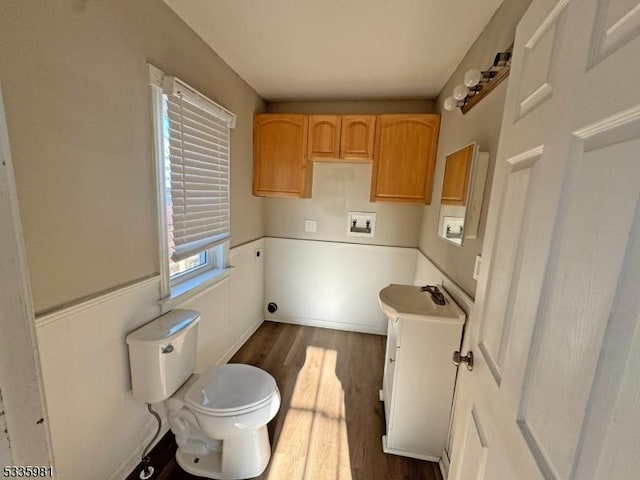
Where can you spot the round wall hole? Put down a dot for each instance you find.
(272, 307)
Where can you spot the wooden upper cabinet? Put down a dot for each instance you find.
(357, 135)
(404, 157)
(281, 168)
(403, 149)
(455, 187)
(324, 136)
(333, 138)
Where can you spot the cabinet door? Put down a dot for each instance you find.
(404, 158)
(456, 177)
(324, 136)
(280, 156)
(393, 345)
(356, 139)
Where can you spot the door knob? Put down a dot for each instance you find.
(458, 358)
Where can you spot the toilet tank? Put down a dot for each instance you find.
(162, 355)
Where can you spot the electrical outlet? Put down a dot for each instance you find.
(310, 225)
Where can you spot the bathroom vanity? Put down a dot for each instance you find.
(419, 375)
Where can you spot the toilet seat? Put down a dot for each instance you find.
(231, 389)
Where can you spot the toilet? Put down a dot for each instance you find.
(219, 417)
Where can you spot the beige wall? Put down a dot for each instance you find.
(481, 124)
(342, 187)
(74, 79)
(5, 448)
(355, 106)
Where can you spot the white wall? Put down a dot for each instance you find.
(336, 285)
(428, 274)
(231, 311)
(98, 430)
(95, 423)
(333, 285)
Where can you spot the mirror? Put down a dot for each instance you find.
(465, 173)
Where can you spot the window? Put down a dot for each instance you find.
(178, 269)
(193, 157)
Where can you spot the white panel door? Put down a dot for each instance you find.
(555, 392)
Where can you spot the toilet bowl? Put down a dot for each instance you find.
(220, 421)
(219, 418)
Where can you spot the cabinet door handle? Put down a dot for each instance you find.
(391, 360)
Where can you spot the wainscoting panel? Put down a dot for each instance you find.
(95, 422)
(246, 286)
(333, 285)
(98, 430)
(232, 309)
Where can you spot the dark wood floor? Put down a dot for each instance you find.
(330, 423)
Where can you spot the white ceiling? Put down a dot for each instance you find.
(340, 49)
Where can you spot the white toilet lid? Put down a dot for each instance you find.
(229, 388)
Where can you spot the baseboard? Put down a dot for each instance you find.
(406, 453)
(313, 322)
(444, 465)
(241, 341)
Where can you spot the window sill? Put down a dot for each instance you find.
(194, 286)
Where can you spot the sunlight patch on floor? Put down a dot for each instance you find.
(313, 442)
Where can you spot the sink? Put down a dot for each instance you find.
(407, 301)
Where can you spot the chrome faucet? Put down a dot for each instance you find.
(436, 294)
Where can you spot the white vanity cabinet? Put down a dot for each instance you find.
(419, 375)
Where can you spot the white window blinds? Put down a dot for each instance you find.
(198, 153)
